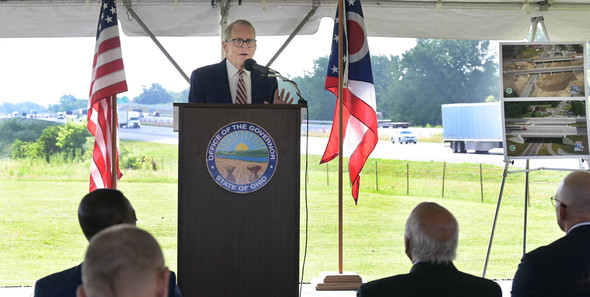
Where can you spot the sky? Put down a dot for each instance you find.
(42, 70)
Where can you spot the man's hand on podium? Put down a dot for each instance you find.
(281, 98)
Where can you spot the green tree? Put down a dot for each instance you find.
(386, 77)
(26, 130)
(436, 72)
(19, 149)
(578, 108)
(72, 137)
(7, 107)
(47, 142)
(321, 103)
(69, 103)
(180, 96)
(156, 94)
(515, 109)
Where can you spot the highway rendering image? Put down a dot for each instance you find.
(546, 128)
(544, 100)
(543, 70)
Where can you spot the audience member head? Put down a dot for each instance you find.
(241, 30)
(572, 205)
(125, 261)
(432, 233)
(103, 208)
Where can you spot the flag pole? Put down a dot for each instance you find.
(340, 128)
(339, 280)
(114, 151)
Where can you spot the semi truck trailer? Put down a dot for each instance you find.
(128, 119)
(472, 126)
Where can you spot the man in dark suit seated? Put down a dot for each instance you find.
(432, 233)
(228, 81)
(98, 210)
(125, 261)
(561, 268)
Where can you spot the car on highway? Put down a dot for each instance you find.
(404, 136)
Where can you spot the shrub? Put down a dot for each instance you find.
(72, 138)
(26, 130)
(22, 149)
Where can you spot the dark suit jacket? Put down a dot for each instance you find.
(209, 84)
(559, 269)
(428, 279)
(65, 284)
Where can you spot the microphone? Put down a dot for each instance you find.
(250, 65)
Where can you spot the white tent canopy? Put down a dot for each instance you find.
(565, 20)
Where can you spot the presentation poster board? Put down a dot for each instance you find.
(544, 102)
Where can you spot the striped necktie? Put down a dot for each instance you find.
(241, 97)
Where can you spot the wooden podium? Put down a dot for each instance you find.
(238, 223)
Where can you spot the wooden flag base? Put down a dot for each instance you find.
(332, 281)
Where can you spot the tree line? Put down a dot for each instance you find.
(30, 139)
(155, 94)
(410, 88)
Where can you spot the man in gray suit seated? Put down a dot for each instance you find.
(124, 261)
(431, 238)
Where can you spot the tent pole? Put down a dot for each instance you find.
(224, 12)
(536, 21)
(154, 39)
(301, 24)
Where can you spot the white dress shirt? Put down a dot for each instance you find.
(233, 76)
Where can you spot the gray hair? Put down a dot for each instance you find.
(121, 259)
(425, 248)
(229, 28)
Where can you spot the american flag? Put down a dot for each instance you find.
(108, 79)
(359, 104)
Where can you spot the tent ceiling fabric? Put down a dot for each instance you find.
(565, 20)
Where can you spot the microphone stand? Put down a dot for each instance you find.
(278, 75)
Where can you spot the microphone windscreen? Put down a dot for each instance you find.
(249, 64)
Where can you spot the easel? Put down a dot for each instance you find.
(527, 170)
(535, 22)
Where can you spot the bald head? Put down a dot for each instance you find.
(432, 234)
(124, 261)
(573, 194)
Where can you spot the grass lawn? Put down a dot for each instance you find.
(39, 232)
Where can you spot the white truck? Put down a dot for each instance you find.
(472, 126)
(128, 119)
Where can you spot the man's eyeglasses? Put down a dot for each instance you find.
(239, 42)
(554, 203)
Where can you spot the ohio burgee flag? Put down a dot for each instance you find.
(359, 118)
(108, 79)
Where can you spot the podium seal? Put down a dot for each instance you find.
(241, 157)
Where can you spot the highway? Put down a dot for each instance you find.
(545, 70)
(423, 151)
(548, 121)
(150, 134)
(554, 126)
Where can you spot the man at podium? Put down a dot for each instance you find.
(228, 81)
